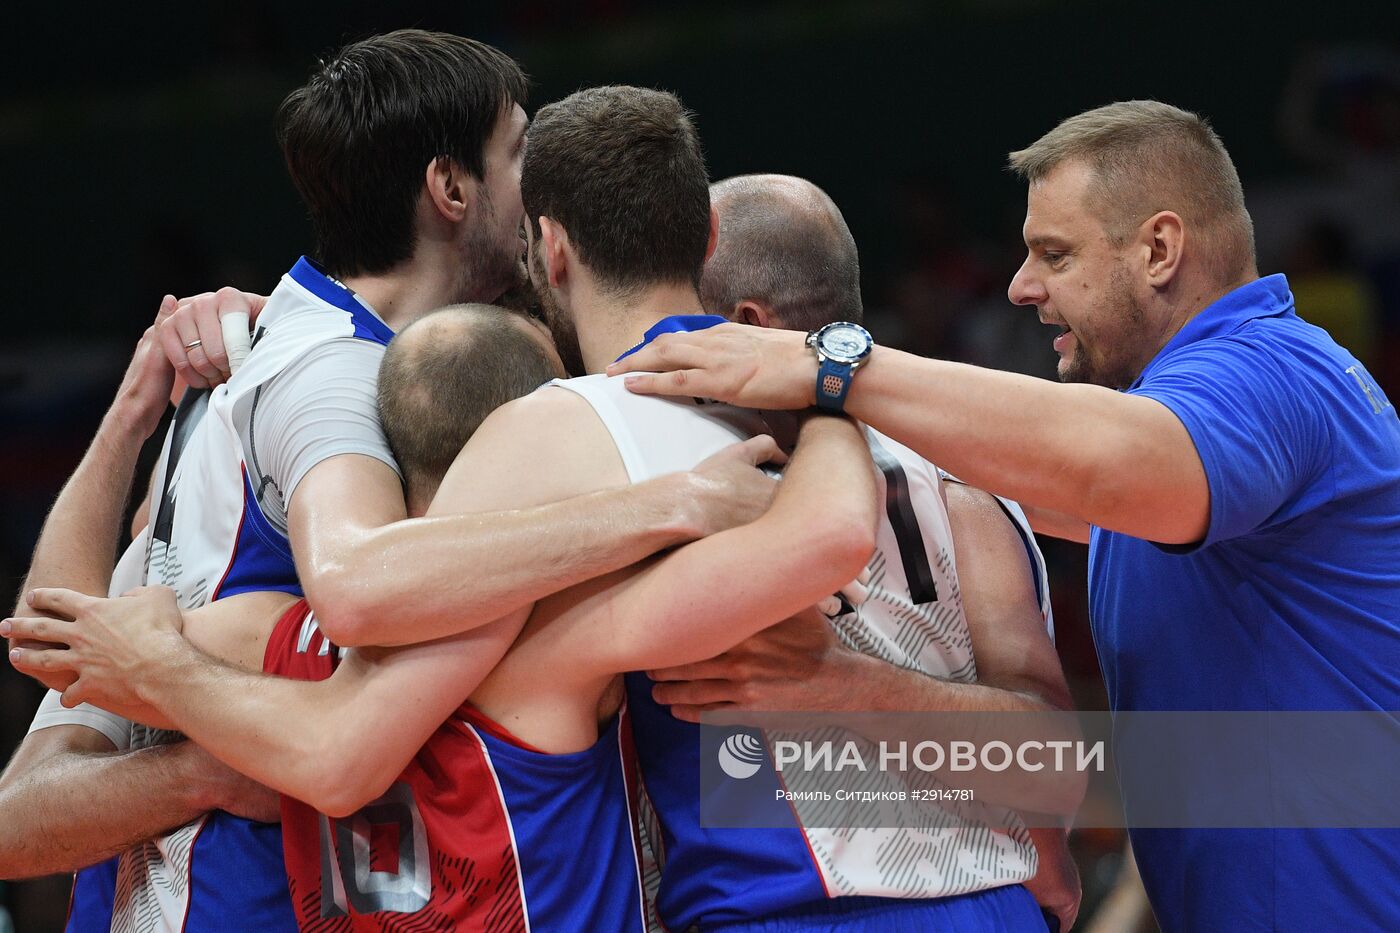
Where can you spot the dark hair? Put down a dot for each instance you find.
(783, 242)
(620, 168)
(360, 134)
(444, 373)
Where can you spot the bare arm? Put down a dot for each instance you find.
(303, 738)
(307, 739)
(78, 543)
(375, 579)
(69, 800)
(800, 664)
(1056, 524)
(1121, 462)
(709, 596)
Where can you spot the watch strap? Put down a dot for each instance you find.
(833, 382)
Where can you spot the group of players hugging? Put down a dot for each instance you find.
(422, 608)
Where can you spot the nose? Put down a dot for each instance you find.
(1025, 288)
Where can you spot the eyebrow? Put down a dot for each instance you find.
(1046, 239)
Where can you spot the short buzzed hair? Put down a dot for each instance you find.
(782, 241)
(1147, 156)
(444, 374)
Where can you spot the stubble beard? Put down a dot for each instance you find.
(490, 266)
(1122, 367)
(561, 326)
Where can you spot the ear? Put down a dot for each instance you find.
(1164, 237)
(753, 312)
(554, 241)
(449, 189)
(714, 233)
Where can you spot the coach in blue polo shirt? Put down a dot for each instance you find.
(1236, 472)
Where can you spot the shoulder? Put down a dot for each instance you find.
(543, 447)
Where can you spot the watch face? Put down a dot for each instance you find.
(845, 342)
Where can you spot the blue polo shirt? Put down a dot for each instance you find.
(1292, 601)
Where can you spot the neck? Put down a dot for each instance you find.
(1195, 298)
(609, 326)
(419, 284)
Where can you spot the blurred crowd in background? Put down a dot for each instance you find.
(138, 159)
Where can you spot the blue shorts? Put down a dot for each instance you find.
(1008, 908)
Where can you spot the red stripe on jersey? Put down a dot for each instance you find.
(631, 776)
(436, 807)
(476, 717)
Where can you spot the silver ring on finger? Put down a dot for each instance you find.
(192, 344)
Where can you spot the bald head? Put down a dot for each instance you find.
(782, 244)
(444, 374)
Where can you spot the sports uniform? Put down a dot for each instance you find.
(480, 832)
(914, 618)
(231, 461)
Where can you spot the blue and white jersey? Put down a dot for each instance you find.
(218, 527)
(913, 618)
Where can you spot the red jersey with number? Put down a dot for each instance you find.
(480, 832)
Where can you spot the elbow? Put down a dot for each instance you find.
(344, 607)
(344, 784)
(846, 549)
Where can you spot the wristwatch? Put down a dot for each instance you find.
(841, 348)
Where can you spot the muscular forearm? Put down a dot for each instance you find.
(895, 689)
(881, 687)
(75, 808)
(1095, 454)
(269, 728)
(307, 739)
(461, 571)
(79, 542)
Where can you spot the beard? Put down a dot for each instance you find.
(1118, 362)
(561, 326)
(491, 263)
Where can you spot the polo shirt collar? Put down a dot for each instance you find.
(675, 324)
(1265, 297)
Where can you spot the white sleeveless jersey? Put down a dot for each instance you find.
(913, 618)
(209, 538)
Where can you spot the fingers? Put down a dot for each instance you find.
(830, 606)
(174, 346)
(712, 669)
(760, 449)
(192, 334)
(168, 306)
(692, 713)
(60, 602)
(664, 354)
(256, 303)
(39, 662)
(53, 631)
(201, 323)
(686, 382)
(858, 590)
(694, 692)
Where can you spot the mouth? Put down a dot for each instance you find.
(1063, 339)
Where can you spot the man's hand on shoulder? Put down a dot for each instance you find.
(193, 337)
(730, 489)
(752, 367)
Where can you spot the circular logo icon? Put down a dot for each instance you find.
(741, 755)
